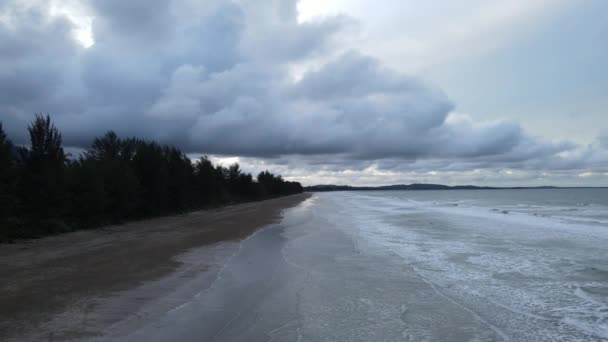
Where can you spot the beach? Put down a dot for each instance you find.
(495, 265)
(64, 287)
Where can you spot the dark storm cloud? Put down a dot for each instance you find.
(215, 77)
(354, 75)
(136, 21)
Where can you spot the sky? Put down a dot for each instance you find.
(502, 93)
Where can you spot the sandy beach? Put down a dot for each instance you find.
(343, 266)
(61, 287)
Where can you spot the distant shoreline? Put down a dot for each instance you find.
(410, 187)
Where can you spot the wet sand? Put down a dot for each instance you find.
(66, 287)
(309, 278)
(301, 280)
(365, 267)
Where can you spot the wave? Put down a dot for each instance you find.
(521, 267)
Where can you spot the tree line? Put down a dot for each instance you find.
(43, 191)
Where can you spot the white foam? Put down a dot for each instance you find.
(497, 265)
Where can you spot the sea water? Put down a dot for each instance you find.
(528, 264)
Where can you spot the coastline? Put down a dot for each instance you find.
(70, 275)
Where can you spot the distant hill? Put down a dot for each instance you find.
(331, 187)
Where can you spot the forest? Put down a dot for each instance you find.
(43, 191)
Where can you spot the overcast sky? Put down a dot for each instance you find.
(345, 91)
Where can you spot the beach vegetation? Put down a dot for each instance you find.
(45, 191)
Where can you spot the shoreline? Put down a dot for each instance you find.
(67, 275)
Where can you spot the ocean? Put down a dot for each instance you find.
(460, 265)
(529, 265)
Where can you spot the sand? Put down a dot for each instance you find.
(50, 282)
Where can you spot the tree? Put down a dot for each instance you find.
(208, 182)
(7, 177)
(87, 195)
(112, 158)
(46, 141)
(181, 179)
(106, 148)
(42, 189)
(151, 169)
(115, 179)
(271, 183)
(234, 171)
(276, 186)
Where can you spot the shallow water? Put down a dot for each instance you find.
(533, 264)
(513, 265)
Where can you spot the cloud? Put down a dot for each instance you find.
(216, 77)
(426, 34)
(136, 21)
(603, 138)
(32, 57)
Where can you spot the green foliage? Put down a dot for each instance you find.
(208, 182)
(42, 186)
(88, 194)
(111, 157)
(41, 192)
(7, 178)
(275, 185)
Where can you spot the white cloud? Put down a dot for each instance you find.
(218, 78)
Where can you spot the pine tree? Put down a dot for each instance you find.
(42, 189)
(7, 177)
(112, 158)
